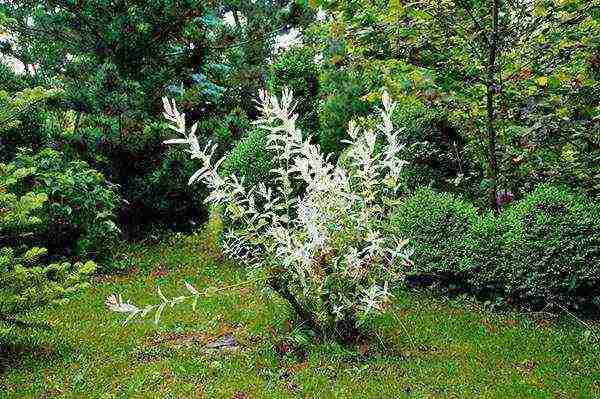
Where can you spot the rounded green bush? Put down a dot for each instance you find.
(545, 248)
(437, 226)
(489, 251)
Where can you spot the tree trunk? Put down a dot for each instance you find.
(282, 290)
(77, 123)
(491, 114)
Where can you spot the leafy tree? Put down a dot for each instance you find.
(516, 80)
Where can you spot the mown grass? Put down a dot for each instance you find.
(425, 347)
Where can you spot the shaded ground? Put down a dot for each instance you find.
(240, 344)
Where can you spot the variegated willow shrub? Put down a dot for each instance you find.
(317, 228)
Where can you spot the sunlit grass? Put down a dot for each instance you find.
(424, 347)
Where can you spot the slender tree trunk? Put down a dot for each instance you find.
(77, 123)
(491, 114)
(280, 287)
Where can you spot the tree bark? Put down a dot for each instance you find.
(281, 289)
(491, 114)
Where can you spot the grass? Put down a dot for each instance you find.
(425, 347)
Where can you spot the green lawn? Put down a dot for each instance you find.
(426, 347)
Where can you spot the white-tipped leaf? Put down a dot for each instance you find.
(176, 141)
(191, 288)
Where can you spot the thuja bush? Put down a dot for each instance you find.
(296, 69)
(250, 159)
(322, 248)
(27, 280)
(436, 153)
(341, 91)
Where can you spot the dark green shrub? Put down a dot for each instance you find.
(79, 216)
(226, 130)
(164, 193)
(297, 70)
(437, 226)
(152, 178)
(341, 91)
(250, 159)
(434, 149)
(542, 249)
